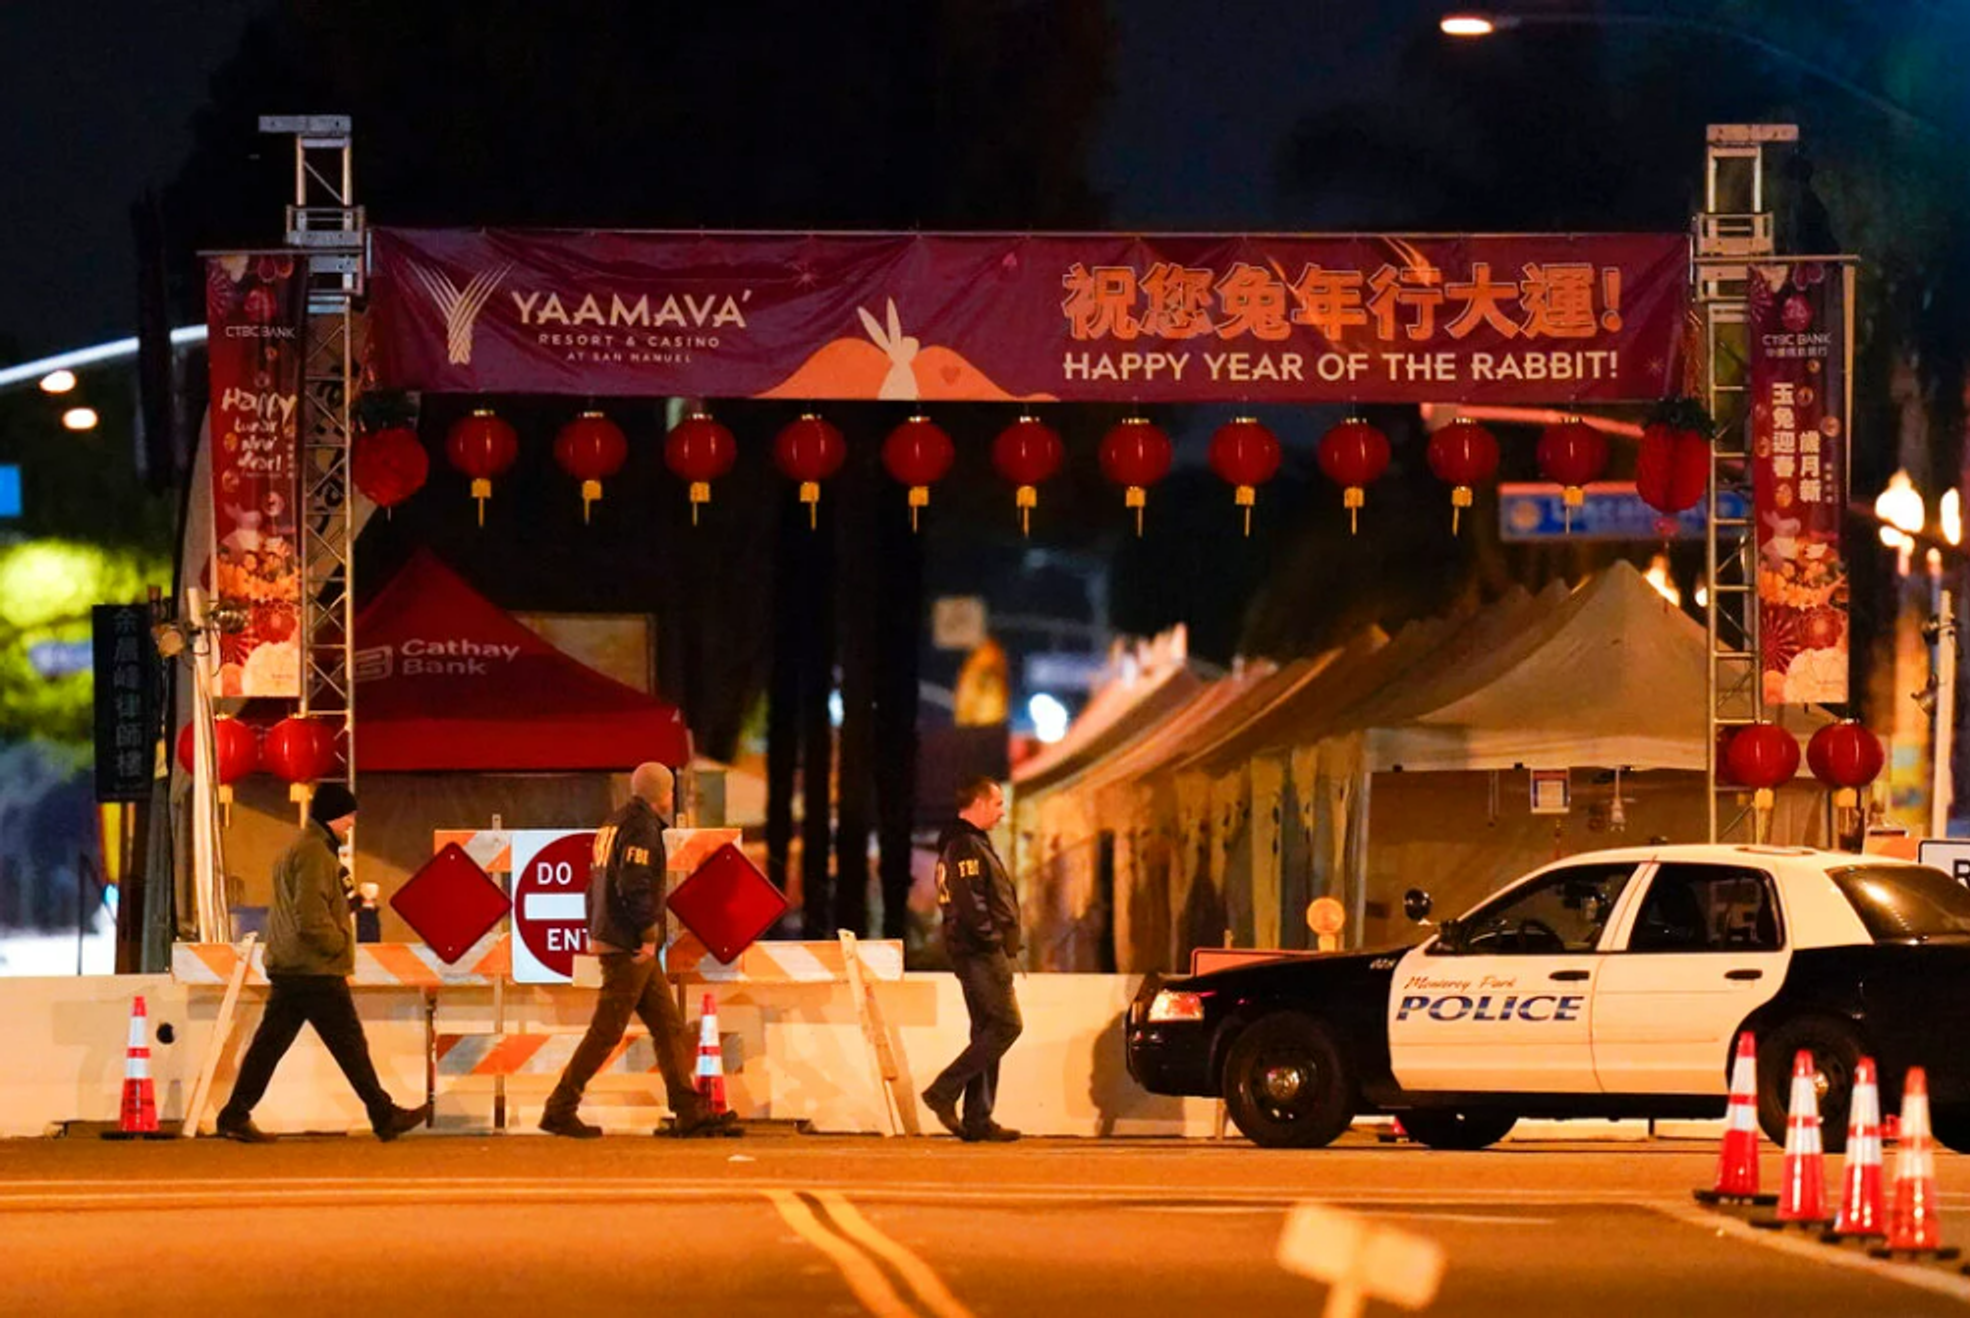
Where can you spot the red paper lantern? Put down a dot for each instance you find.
(1353, 454)
(1464, 454)
(1571, 454)
(482, 446)
(1672, 468)
(810, 450)
(1245, 454)
(700, 450)
(591, 448)
(1027, 452)
(389, 465)
(918, 454)
(1135, 455)
(301, 750)
(1762, 756)
(236, 753)
(1846, 757)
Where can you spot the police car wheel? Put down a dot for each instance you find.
(1287, 1084)
(1446, 1128)
(1835, 1049)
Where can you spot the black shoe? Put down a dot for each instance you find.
(572, 1126)
(724, 1125)
(400, 1120)
(946, 1112)
(241, 1129)
(990, 1133)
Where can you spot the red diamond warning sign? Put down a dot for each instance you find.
(450, 903)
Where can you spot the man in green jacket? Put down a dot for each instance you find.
(311, 952)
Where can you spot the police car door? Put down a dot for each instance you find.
(1506, 1003)
(1703, 948)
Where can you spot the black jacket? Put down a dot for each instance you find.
(626, 886)
(974, 892)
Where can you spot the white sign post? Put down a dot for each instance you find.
(1359, 1261)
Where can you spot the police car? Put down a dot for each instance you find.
(1610, 984)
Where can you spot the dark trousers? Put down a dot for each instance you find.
(986, 978)
(323, 1001)
(633, 987)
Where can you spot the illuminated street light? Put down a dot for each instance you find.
(58, 382)
(1900, 505)
(1472, 24)
(80, 418)
(1049, 717)
(1952, 516)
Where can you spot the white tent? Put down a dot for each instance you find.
(1232, 812)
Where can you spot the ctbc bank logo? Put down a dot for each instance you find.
(459, 306)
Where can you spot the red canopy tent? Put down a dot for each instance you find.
(448, 681)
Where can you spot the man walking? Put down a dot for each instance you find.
(625, 929)
(311, 952)
(981, 936)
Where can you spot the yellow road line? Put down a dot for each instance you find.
(863, 1276)
(929, 1287)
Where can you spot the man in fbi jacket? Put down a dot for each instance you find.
(981, 936)
(625, 929)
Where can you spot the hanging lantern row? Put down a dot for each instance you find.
(299, 751)
(1844, 756)
(1672, 472)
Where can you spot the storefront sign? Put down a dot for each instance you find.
(1092, 317)
(125, 680)
(1799, 477)
(254, 308)
(1612, 511)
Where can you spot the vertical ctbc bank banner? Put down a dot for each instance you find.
(255, 309)
(1799, 477)
(1005, 317)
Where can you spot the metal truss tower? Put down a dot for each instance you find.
(326, 230)
(1733, 230)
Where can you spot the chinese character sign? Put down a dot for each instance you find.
(1799, 478)
(982, 318)
(254, 309)
(126, 702)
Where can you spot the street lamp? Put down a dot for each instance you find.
(1473, 24)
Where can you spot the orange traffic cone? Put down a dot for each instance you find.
(1862, 1214)
(1914, 1226)
(1802, 1196)
(1737, 1158)
(138, 1117)
(1395, 1134)
(710, 1077)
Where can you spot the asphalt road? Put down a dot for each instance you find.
(782, 1223)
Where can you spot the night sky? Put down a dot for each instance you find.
(99, 99)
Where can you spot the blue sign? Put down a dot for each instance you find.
(1612, 511)
(10, 491)
(61, 658)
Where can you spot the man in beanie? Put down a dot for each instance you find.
(311, 952)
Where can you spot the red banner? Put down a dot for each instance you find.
(1799, 478)
(1095, 317)
(254, 309)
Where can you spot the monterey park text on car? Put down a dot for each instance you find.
(1610, 984)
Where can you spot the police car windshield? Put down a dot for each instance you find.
(1905, 901)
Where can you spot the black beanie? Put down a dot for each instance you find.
(332, 801)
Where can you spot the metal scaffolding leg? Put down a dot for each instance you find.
(1732, 230)
(326, 229)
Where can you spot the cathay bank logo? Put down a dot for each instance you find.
(459, 306)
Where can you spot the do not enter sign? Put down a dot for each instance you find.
(550, 903)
